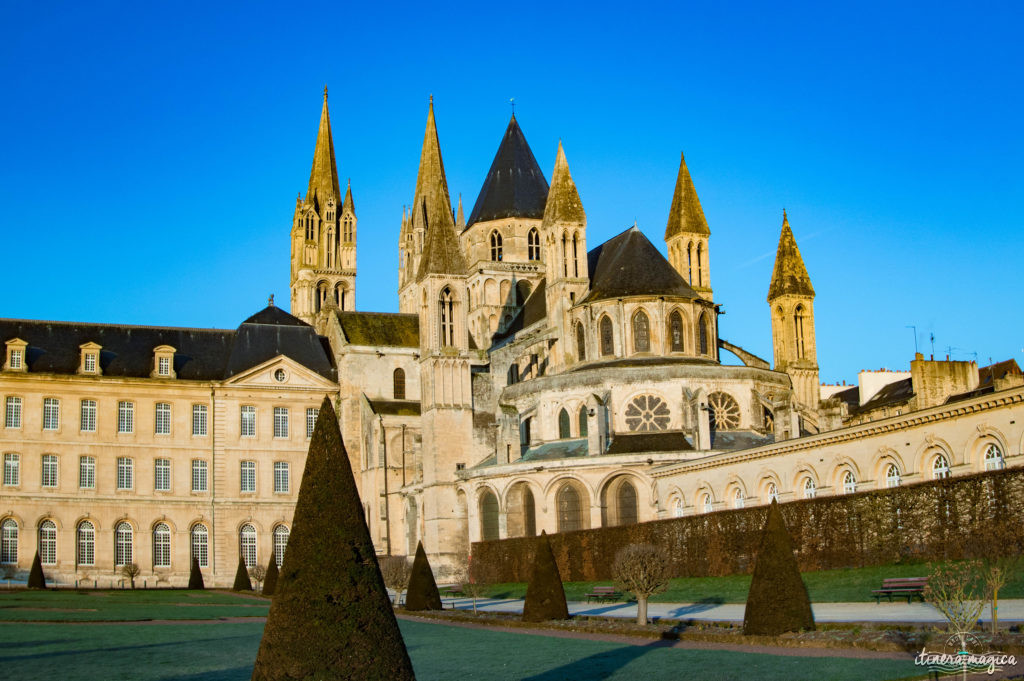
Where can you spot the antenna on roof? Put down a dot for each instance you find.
(911, 326)
(931, 337)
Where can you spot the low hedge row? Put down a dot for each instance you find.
(963, 517)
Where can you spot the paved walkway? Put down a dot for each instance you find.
(1009, 610)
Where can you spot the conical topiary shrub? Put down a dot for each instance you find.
(330, 617)
(195, 576)
(270, 581)
(36, 578)
(422, 593)
(778, 600)
(242, 581)
(545, 597)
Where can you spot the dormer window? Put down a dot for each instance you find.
(89, 362)
(16, 350)
(163, 362)
(90, 359)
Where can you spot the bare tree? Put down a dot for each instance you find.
(131, 571)
(996, 572)
(957, 591)
(396, 571)
(258, 573)
(472, 580)
(642, 569)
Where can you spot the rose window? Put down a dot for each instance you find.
(647, 412)
(723, 411)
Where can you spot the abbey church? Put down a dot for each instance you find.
(530, 381)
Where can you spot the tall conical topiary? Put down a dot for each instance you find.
(778, 600)
(36, 578)
(545, 597)
(195, 576)
(242, 581)
(422, 593)
(270, 581)
(330, 617)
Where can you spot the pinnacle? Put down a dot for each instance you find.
(790, 274)
(432, 209)
(686, 215)
(563, 204)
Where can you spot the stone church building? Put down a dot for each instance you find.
(527, 383)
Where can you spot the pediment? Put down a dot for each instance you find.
(294, 376)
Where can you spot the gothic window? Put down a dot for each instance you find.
(724, 413)
(607, 341)
(533, 244)
(488, 516)
(626, 505)
(581, 343)
(575, 254)
(582, 419)
(940, 467)
(339, 296)
(399, 384)
(565, 255)
(447, 318)
(330, 247)
(798, 327)
(675, 331)
(495, 246)
(529, 513)
(348, 229)
(689, 263)
(570, 511)
(993, 458)
(647, 413)
(320, 296)
(702, 332)
(700, 273)
(641, 332)
(563, 425)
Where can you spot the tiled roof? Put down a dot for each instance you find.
(630, 265)
(515, 185)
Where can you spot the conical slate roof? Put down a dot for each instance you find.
(685, 216)
(630, 265)
(515, 186)
(323, 177)
(790, 276)
(563, 204)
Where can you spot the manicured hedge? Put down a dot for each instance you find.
(964, 516)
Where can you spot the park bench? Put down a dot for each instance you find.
(604, 593)
(901, 586)
(453, 590)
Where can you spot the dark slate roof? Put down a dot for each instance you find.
(851, 396)
(732, 440)
(395, 407)
(630, 265)
(200, 354)
(533, 310)
(632, 443)
(970, 394)
(381, 328)
(896, 392)
(559, 449)
(515, 185)
(997, 371)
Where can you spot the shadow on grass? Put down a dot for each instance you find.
(604, 609)
(233, 674)
(703, 605)
(597, 666)
(35, 644)
(50, 654)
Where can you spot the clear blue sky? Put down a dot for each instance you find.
(150, 153)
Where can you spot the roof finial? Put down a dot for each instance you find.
(512, 102)
(325, 93)
(431, 101)
(270, 301)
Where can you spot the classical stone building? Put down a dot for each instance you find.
(526, 384)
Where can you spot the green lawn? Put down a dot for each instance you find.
(828, 586)
(84, 606)
(225, 652)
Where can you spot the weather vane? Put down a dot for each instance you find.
(512, 102)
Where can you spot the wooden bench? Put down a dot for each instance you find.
(604, 593)
(452, 590)
(901, 586)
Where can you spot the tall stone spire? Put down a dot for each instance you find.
(323, 177)
(790, 275)
(432, 210)
(685, 215)
(563, 203)
(348, 206)
(460, 219)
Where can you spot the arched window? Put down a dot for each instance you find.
(993, 458)
(399, 384)
(892, 476)
(677, 508)
(446, 313)
(9, 541)
(773, 492)
(48, 542)
(200, 545)
(581, 417)
(706, 504)
(625, 499)
(529, 513)
(675, 331)
(339, 296)
(810, 489)
(702, 333)
(700, 264)
(347, 226)
(940, 468)
(123, 553)
(565, 255)
(798, 328)
(495, 246)
(161, 546)
(738, 500)
(563, 425)
(689, 264)
(247, 543)
(488, 516)
(85, 544)
(281, 534)
(570, 512)
(575, 254)
(581, 343)
(320, 296)
(533, 244)
(641, 332)
(607, 340)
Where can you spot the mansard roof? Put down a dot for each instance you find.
(514, 187)
(630, 265)
(380, 328)
(200, 354)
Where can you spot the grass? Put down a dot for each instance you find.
(94, 606)
(851, 585)
(226, 652)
